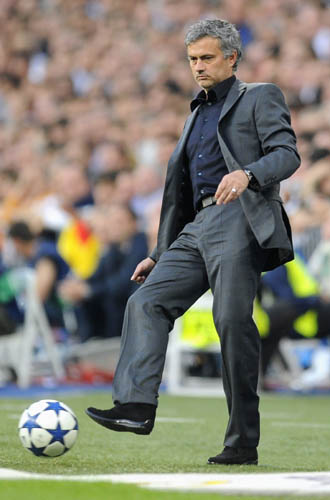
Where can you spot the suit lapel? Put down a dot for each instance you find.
(180, 147)
(234, 94)
(189, 123)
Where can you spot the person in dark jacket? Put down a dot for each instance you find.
(38, 252)
(222, 223)
(101, 299)
(290, 305)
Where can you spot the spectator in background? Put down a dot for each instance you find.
(40, 254)
(313, 207)
(65, 211)
(104, 188)
(319, 263)
(148, 189)
(23, 190)
(93, 82)
(102, 298)
(238, 13)
(59, 95)
(125, 187)
(109, 156)
(292, 307)
(70, 194)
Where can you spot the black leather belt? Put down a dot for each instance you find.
(206, 202)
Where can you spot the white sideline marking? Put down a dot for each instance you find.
(12, 406)
(275, 415)
(177, 420)
(302, 424)
(302, 483)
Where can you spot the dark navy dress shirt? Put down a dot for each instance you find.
(206, 163)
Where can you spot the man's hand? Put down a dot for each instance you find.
(142, 270)
(231, 187)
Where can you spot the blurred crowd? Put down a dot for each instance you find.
(93, 98)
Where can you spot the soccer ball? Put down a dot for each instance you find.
(48, 428)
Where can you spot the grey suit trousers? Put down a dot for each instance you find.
(219, 251)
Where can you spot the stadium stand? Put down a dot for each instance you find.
(102, 87)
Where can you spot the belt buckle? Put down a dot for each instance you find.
(206, 202)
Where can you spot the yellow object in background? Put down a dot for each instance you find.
(79, 248)
(198, 329)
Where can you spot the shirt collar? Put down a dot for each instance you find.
(214, 95)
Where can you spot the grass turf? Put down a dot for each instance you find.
(295, 437)
(49, 490)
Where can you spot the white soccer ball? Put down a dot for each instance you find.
(48, 428)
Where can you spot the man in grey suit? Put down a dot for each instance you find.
(222, 223)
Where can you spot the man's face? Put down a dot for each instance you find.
(121, 224)
(207, 62)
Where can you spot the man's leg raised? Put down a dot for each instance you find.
(175, 283)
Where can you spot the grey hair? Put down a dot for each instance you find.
(227, 34)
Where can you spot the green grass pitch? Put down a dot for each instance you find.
(295, 436)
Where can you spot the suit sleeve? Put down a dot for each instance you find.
(277, 139)
(153, 254)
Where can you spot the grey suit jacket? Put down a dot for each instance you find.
(254, 132)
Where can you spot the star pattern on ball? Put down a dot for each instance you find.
(55, 406)
(48, 428)
(58, 434)
(31, 423)
(39, 452)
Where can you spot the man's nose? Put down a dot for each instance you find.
(200, 65)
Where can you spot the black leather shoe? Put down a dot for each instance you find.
(130, 417)
(235, 456)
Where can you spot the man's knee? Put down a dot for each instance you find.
(234, 321)
(140, 301)
(144, 303)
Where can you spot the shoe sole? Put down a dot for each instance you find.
(248, 462)
(122, 425)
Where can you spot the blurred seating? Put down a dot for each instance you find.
(289, 306)
(18, 350)
(94, 95)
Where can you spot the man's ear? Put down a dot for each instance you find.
(233, 58)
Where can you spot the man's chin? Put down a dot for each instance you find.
(206, 85)
(203, 82)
